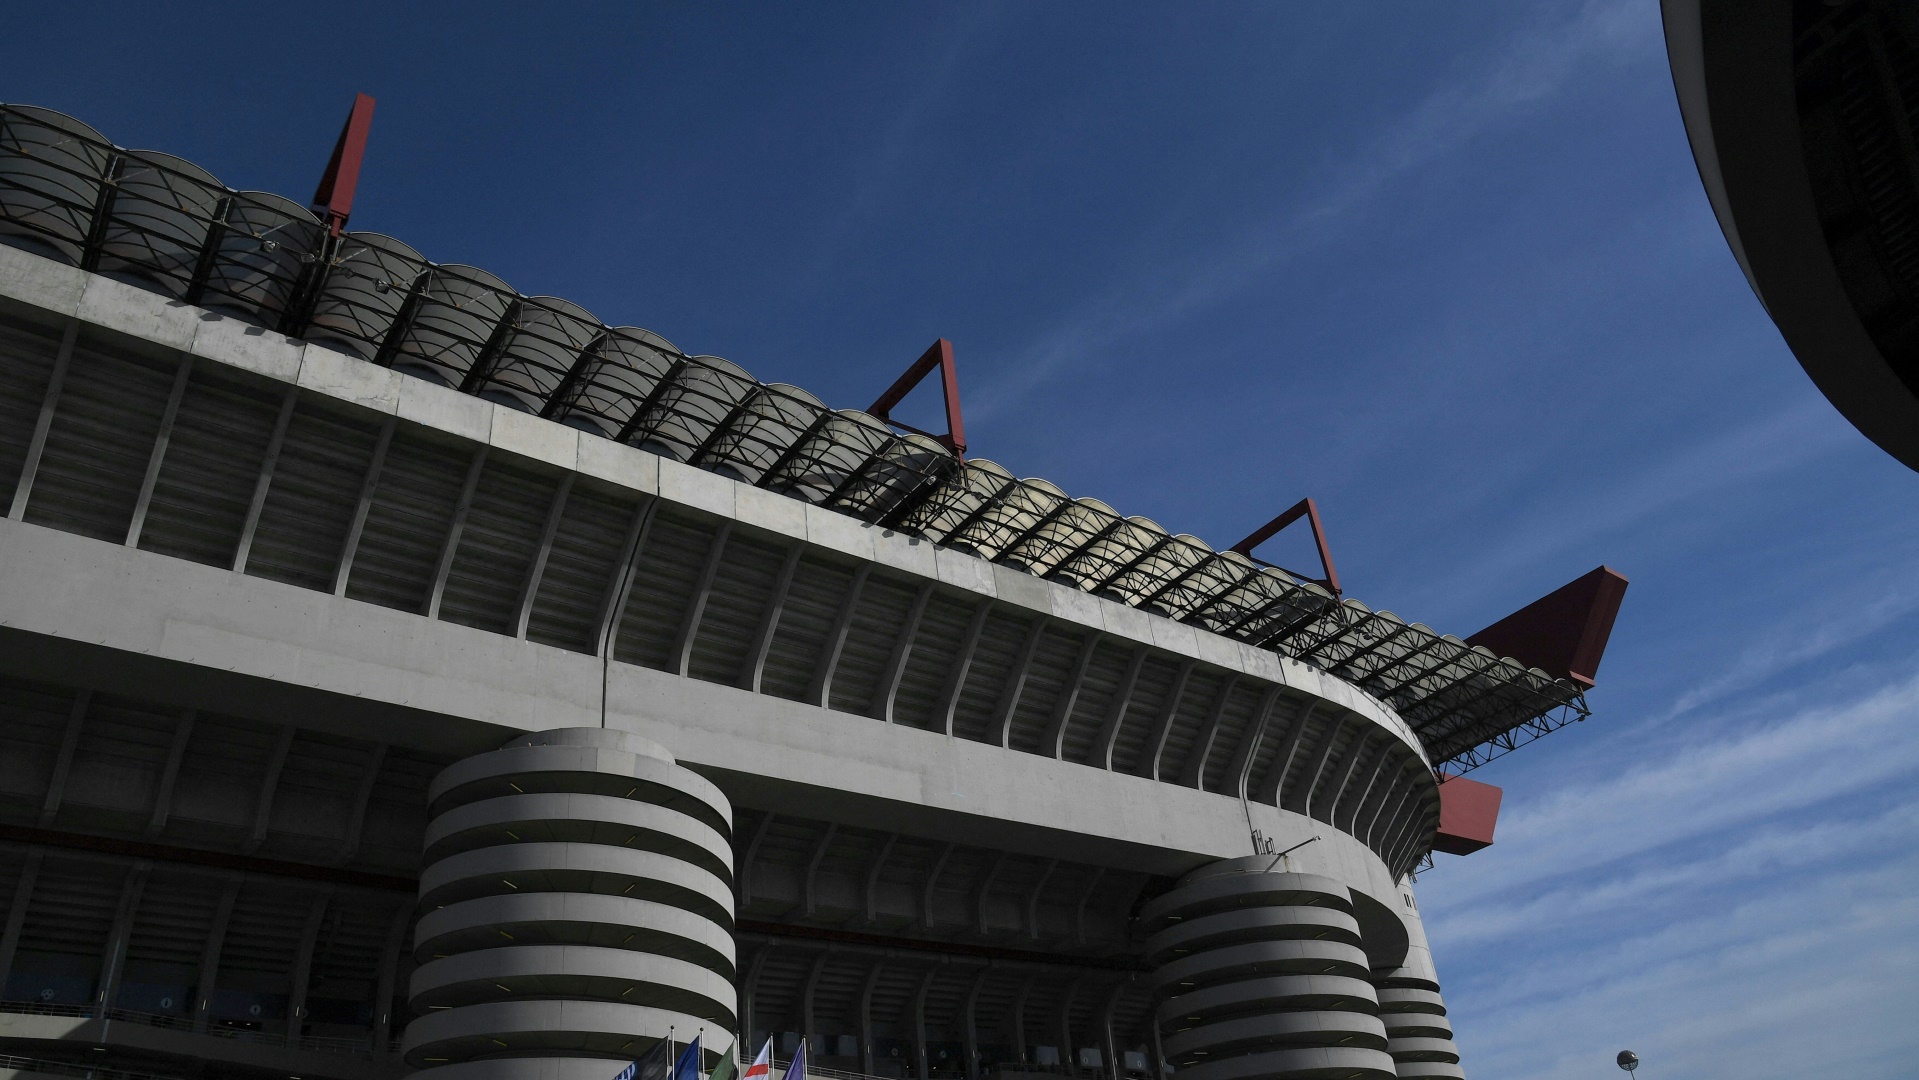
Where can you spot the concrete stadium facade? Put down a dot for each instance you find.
(359, 726)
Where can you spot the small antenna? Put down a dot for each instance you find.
(1289, 851)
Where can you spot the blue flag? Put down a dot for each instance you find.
(688, 1066)
(797, 1069)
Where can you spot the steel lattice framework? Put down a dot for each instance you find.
(166, 224)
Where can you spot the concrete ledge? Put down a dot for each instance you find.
(558, 1025)
(22, 1032)
(148, 316)
(474, 873)
(205, 636)
(963, 571)
(339, 376)
(765, 510)
(617, 463)
(569, 966)
(529, 436)
(446, 409)
(686, 933)
(249, 347)
(654, 828)
(697, 488)
(42, 282)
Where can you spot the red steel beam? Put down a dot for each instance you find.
(1468, 813)
(1564, 632)
(938, 355)
(1309, 510)
(333, 199)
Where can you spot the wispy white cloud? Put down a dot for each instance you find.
(1741, 775)
(1740, 904)
(881, 168)
(1670, 492)
(1527, 71)
(1813, 975)
(1584, 905)
(1859, 614)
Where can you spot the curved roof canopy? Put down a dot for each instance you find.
(1802, 115)
(164, 224)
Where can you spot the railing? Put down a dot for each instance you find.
(322, 1043)
(71, 1068)
(812, 1070)
(44, 1008)
(779, 1068)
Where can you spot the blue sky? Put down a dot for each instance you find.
(1447, 268)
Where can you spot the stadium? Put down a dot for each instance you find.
(1801, 118)
(404, 674)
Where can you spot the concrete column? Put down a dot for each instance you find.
(1109, 1046)
(969, 1023)
(809, 1022)
(269, 787)
(921, 1063)
(63, 763)
(1263, 975)
(17, 914)
(1068, 1050)
(578, 899)
(170, 775)
(1019, 1019)
(302, 974)
(866, 1015)
(37, 445)
(113, 963)
(389, 976)
(808, 894)
(1420, 1037)
(210, 953)
(749, 992)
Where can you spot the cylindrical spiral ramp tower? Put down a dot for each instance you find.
(577, 902)
(1262, 975)
(1409, 1002)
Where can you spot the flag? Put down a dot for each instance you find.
(651, 1065)
(688, 1065)
(797, 1070)
(729, 1066)
(762, 1067)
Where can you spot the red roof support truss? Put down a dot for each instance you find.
(939, 355)
(333, 199)
(1309, 510)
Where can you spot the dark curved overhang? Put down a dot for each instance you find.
(165, 224)
(1801, 117)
